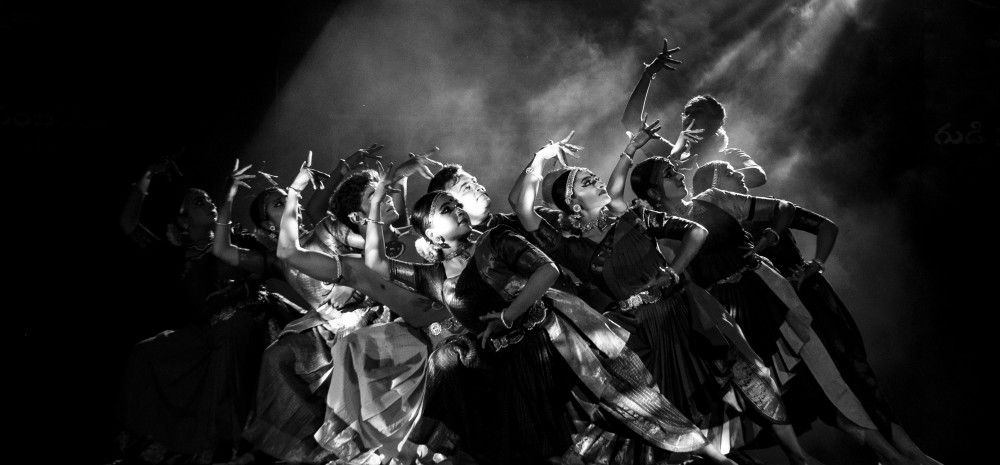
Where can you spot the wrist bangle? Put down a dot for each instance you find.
(772, 232)
(504, 321)
(294, 189)
(820, 263)
(626, 155)
(227, 223)
(531, 171)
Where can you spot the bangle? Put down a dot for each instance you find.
(504, 322)
(530, 171)
(626, 155)
(820, 263)
(777, 238)
(294, 189)
(227, 223)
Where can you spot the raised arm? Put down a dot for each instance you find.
(375, 257)
(632, 118)
(398, 175)
(619, 176)
(531, 177)
(319, 202)
(222, 246)
(315, 264)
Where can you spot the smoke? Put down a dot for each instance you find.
(490, 82)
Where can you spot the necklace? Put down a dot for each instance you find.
(603, 220)
(461, 251)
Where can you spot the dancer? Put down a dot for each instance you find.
(377, 382)
(294, 377)
(830, 317)
(535, 343)
(696, 354)
(455, 180)
(702, 138)
(762, 302)
(187, 392)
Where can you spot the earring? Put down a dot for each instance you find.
(576, 219)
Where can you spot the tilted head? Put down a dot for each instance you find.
(718, 174)
(267, 208)
(708, 115)
(575, 189)
(439, 217)
(351, 202)
(657, 180)
(462, 185)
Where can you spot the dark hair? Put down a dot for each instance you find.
(559, 192)
(422, 210)
(704, 175)
(347, 198)
(447, 174)
(258, 208)
(701, 107)
(646, 175)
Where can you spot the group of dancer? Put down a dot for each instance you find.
(682, 326)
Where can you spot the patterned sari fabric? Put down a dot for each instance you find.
(522, 384)
(837, 330)
(187, 392)
(765, 305)
(695, 352)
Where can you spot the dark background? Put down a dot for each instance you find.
(879, 114)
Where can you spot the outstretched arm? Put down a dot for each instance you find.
(632, 118)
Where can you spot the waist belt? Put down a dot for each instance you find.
(531, 319)
(755, 261)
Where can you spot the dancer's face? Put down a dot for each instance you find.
(275, 208)
(589, 191)
(672, 184)
(198, 208)
(448, 222)
(731, 180)
(389, 213)
(472, 195)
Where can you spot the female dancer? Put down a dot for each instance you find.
(294, 376)
(187, 393)
(831, 319)
(376, 388)
(763, 303)
(537, 344)
(694, 351)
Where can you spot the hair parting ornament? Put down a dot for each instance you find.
(570, 184)
(440, 199)
(715, 175)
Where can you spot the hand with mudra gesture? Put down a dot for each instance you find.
(559, 150)
(663, 60)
